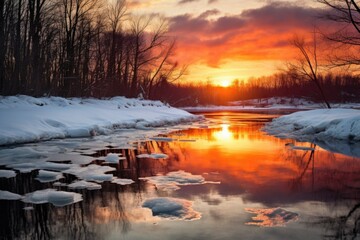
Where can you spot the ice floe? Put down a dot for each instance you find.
(57, 198)
(92, 173)
(84, 185)
(6, 195)
(153, 156)
(172, 208)
(48, 176)
(112, 158)
(7, 173)
(162, 139)
(172, 180)
(271, 217)
(122, 181)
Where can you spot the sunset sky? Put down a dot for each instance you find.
(223, 40)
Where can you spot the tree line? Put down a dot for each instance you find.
(337, 87)
(82, 48)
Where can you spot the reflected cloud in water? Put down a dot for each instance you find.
(256, 172)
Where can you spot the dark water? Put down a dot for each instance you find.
(252, 186)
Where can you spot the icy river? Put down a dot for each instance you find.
(223, 178)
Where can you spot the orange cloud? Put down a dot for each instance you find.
(255, 34)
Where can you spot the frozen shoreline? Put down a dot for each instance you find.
(333, 129)
(27, 119)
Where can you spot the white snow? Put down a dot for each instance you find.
(57, 198)
(271, 217)
(173, 180)
(321, 124)
(6, 195)
(7, 173)
(48, 176)
(172, 208)
(27, 119)
(84, 185)
(122, 181)
(274, 103)
(92, 172)
(112, 158)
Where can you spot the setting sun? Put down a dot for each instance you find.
(225, 83)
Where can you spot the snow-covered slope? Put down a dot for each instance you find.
(320, 124)
(269, 105)
(337, 130)
(27, 119)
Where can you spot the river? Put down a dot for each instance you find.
(221, 179)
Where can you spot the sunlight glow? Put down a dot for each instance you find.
(224, 134)
(225, 83)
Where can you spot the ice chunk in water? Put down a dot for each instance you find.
(153, 156)
(172, 208)
(122, 181)
(113, 158)
(7, 173)
(84, 185)
(162, 139)
(92, 172)
(57, 198)
(48, 176)
(6, 195)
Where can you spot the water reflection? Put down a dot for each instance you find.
(255, 171)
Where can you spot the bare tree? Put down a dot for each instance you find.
(307, 64)
(346, 16)
(116, 13)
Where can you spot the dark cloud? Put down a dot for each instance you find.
(209, 13)
(187, 1)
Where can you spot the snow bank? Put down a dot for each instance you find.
(321, 124)
(271, 217)
(172, 208)
(27, 119)
(268, 104)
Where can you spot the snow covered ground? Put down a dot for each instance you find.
(27, 119)
(334, 129)
(269, 104)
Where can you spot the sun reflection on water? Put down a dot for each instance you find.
(224, 134)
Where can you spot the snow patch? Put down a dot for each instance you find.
(27, 119)
(6, 195)
(122, 181)
(322, 126)
(92, 172)
(112, 158)
(84, 185)
(172, 208)
(48, 176)
(57, 198)
(7, 173)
